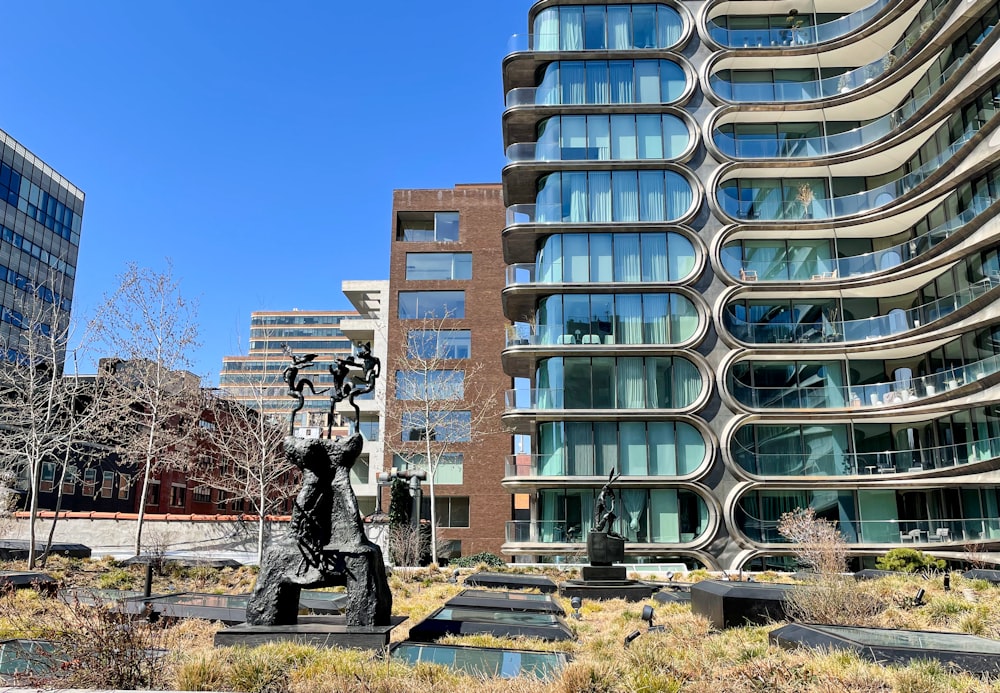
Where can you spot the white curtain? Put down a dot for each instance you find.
(627, 264)
(547, 30)
(654, 257)
(619, 28)
(628, 312)
(598, 89)
(662, 448)
(572, 77)
(678, 195)
(668, 26)
(600, 195)
(655, 311)
(630, 382)
(606, 446)
(622, 81)
(574, 192)
(634, 506)
(571, 28)
(653, 206)
(625, 196)
(581, 451)
(685, 383)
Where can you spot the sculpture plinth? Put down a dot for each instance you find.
(602, 579)
(325, 546)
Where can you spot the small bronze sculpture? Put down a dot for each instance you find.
(343, 388)
(604, 511)
(295, 384)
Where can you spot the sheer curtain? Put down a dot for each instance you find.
(662, 448)
(653, 206)
(551, 449)
(680, 256)
(628, 315)
(606, 447)
(633, 449)
(598, 89)
(619, 28)
(571, 28)
(630, 383)
(549, 268)
(549, 144)
(655, 311)
(668, 26)
(600, 195)
(628, 267)
(548, 91)
(548, 201)
(574, 196)
(654, 257)
(679, 195)
(625, 197)
(683, 319)
(572, 76)
(634, 514)
(581, 451)
(622, 81)
(547, 30)
(685, 383)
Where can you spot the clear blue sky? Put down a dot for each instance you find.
(255, 144)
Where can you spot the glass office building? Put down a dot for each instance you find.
(753, 266)
(40, 217)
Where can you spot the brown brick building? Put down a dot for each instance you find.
(445, 317)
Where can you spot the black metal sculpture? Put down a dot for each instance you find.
(326, 544)
(295, 384)
(350, 389)
(604, 511)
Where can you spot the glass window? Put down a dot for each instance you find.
(444, 344)
(425, 266)
(107, 484)
(418, 305)
(447, 466)
(441, 227)
(442, 426)
(450, 511)
(422, 385)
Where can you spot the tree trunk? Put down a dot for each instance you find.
(433, 503)
(260, 519)
(142, 507)
(36, 479)
(55, 517)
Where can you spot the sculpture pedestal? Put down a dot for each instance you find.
(602, 579)
(319, 631)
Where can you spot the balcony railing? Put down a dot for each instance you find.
(805, 464)
(795, 36)
(808, 147)
(901, 532)
(876, 327)
(562, 532)
(903, 391)
(845, 205)
(866, 263)
(766, 92)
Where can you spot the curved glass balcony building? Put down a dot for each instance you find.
(753, 266)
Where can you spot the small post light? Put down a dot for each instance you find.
(576, 603)
(947, 582)
(647, 615)
(919, 599)
(632, 636)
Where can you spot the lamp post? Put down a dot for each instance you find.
(413, 477)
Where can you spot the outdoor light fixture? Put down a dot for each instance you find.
(647, 616)
(919, 599)
(632, 636)
(947, 582)
(576, 603)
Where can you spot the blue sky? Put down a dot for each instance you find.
(254, 144)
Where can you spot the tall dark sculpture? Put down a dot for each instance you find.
(605, 546)
(326, 544)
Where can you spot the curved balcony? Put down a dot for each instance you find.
(545, 399)
(807, 206)
(829, 145)
(796, 36)
(825, 330)
(905, 390)
(604, 82)
(601, 28)
(810, 90)
(857, 265)
(880, 463)
(896, 532)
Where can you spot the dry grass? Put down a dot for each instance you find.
(688, 656)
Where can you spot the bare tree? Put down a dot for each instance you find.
(44, 417)
(444, 404)
(818, 544)
(242, 457)
(149, 330)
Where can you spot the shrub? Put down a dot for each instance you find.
(817, 542)
(833, 599)
(909, 561)
(117, 579)
(490, 560)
